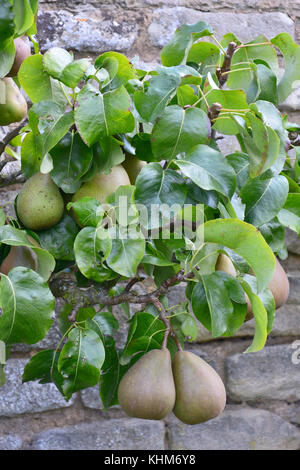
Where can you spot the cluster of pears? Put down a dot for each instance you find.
(279, 284)
(155, 386)
(40, 204)
(13, 106)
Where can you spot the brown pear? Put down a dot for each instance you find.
(200, 392)
(19, 256)
(147, 390)
(23, 50)
(40, 204)
(13, 106)
(279, 284)
(133, 166)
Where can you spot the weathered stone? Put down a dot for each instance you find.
(117, 434)
(7, 198)
(292, 241)
(270, 374)
(245, 26)
(91, 398)
(10, 442)
(17, 398)
(88, 29)
(236, 429)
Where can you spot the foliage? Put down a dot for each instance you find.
(88, 117)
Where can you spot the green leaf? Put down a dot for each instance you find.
(291, 54)
(92, 246)
(74, 72)
(24, 16)
(27, 307)
(208, 169)
(229, 99)
(104, 323)
(243, 59)
(264, 198)
(7, 26)
(125, 71)
(48, 119)
(14, 237)
(55, 60)
(219, 303)
(112, 373)
(240, 162)
(88, 211)
(177, 50)
(71, 160)
(102, 115)
(158, 190)
(161, 90)
(126, 254)
(289, 216)
(107, 153)
(80, 360)
(177, 130)
(31, 154)
(7, 56)
(261, 320)
(261, 143)
(43, 367)
(247, 242)
(189, 328)
(35, 80)
(59, 240)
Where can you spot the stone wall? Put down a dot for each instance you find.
(263, 410)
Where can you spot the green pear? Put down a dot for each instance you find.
(19, 256)
(40, 204)
(13, 106)
(23, 50)
(133, 166)
(103, 185)
(200, 392)
(147, 390)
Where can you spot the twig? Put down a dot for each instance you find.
(222, 72)
(11, 135)
(15, 178)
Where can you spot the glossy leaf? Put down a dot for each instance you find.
(59, 240)
(176, 51)
(80, 360)
(88, 211)
(177, 130)
(208, 169)
(92, 246)
(158, 190)
(289, 216)
(27, 307)
(264, 198)
(126, 254)
(71, 160)
(14, 237)
(291, 54)
(43, 367)
(247, 242)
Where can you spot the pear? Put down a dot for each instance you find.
(23, 50)
(13, 106)
(133, 166)
(200, 392)
(279, 284)
(147, 389)
(40, 204)
(19, 256)
(103, 185)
